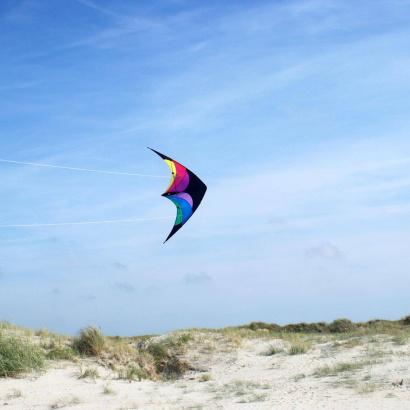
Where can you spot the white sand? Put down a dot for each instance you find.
(240, 378)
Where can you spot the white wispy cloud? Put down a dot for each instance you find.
(325, 250)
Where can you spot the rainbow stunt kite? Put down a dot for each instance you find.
(185, 190)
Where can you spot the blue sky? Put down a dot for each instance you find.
(294, 113)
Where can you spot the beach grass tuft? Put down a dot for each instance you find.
(62, 353)
(91, 341)
(18, 356)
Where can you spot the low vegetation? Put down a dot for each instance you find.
(272, 350)
(88, 373)
(18, 355)
(296, 344)
(341, 367)
(205, 377)
(166, 357)
(62, 353)
(376, 326)
(244, 390)
(66, 402)
(109, 390)
(91, 341)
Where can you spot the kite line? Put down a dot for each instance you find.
(186, 191)
(85, 223)
(88, 222)
(83, 169)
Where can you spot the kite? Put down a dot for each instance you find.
(185, 190)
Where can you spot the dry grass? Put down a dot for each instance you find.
(109, 390)
(88, 373)
(366, 388)
(299, 377)
(296, 343)
(66, 402)
(341, 368)
(205, 377)
(132, 373)
(91, 341)
(401, 338)
(15, 394)
(349, 343)
(247, 391)
(272, 350)
(299, 347)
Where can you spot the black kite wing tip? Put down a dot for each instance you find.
(161, 155)
(174, 230)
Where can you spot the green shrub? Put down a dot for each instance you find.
(337, 326)
(342, 326)
(18, 356)
(406, 320)
(168, 364)
(273, 327)
(159, 351)
(320, 327)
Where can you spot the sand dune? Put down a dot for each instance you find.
(231, 370)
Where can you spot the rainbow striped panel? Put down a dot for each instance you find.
(185, 190)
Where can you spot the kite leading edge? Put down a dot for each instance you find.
(185, 190)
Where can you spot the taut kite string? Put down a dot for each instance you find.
(82, 169)
(88, 222)
(85, 223)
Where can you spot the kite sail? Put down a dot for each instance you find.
(185, 190)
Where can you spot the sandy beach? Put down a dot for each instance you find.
(230, 369)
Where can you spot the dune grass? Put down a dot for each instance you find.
(342, 367)
(15, 394)
(298, 346)
(206, 377)
(366, 388)
(132, 373)
(162, 357)
(66, 402)
(18, 355)
(272, 350)
(91, 341)
(246, 390)
(401, 338)
(88, 373)
(62, 353)
(109, 390)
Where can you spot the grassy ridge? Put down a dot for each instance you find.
(337, 326)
